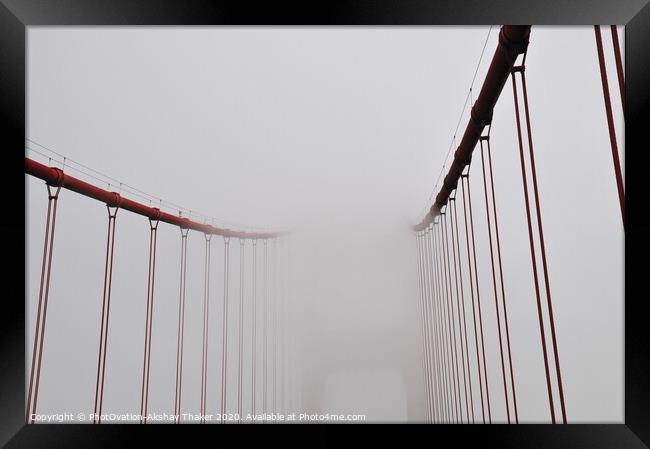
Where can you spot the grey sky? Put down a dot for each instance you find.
(341, 132)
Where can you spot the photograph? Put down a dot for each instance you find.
(372, 218)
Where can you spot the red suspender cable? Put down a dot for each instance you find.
(452, 202)
(450, 315)
(434, 377)
(254, 328)
(471, 284)
(478, 300)
(429, 300)
(427, 324)
(494, 284)
(503, 292)
(181, 326)
(448, 322)
(532, 252)
(430, 325)
(224, 342)
(433, 334)
(144, 397)
(521, 71)
(206, 327)
(240, 377)
(442, 326)
(419, 310)
(280, 324)
(284, 284)
(265, 330)
(275, 322)
(106, 305)
(439, 335)
(418, 248)
(610, 121)
(619, 66)
(461, 306)
(39, 333)
(435, 298)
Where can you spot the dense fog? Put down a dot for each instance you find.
(337, 135)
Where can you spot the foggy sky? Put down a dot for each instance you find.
(339, 133)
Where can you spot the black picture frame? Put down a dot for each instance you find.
(16, 15)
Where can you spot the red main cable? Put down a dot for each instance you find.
(57, 177)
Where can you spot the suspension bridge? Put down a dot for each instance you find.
(452, 304)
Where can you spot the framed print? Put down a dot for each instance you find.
(344, 213)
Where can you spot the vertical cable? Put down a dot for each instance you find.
(440, 346)
(279, 321)
(254, 328)
(427, 307)
(39, 333)
(450, 315)
(426, 332)
(461, 306)
(265, 330)
(542, 246)
(206, 327)
(431, 319)
(610, 122)
(478, 300)
(452, 202)
(619, 66)
(423, 332)
(494, 284)
(181, 326)
(442, 328)
(532, 250)
(435, 353)
(275, 322)
(241, 329)
(503, 291)
(446, 328)
(146, 359)
(224, 340)
(471, 284)
(106, 304)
